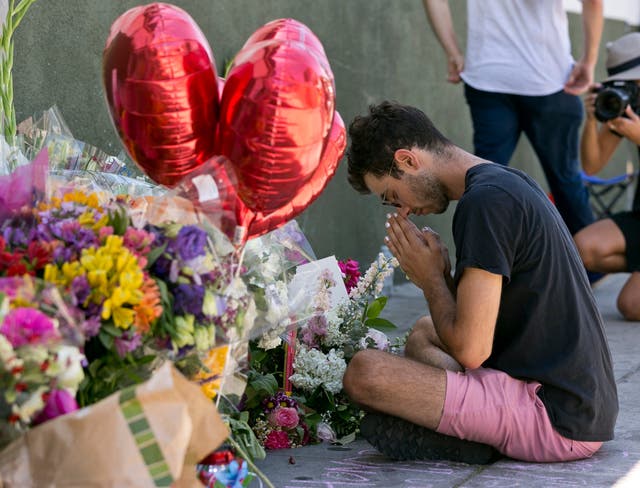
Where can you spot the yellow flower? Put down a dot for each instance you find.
(115, 307)
(215, 362)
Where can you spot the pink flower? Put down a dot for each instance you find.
(28, 326)
(285, 417)
(351, 271)
(277, 439)
(58, 403)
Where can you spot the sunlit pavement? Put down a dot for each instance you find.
(359, 465)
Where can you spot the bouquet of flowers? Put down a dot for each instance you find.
(40, 360)
(315, 406)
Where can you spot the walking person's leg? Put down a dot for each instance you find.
(552, 125)
(496, 128)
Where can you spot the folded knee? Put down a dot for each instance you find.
(359, 378)
(587, 249)
(629, 307)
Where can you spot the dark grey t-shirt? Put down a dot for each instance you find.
(548, 328)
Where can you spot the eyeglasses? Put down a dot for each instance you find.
(384, 194)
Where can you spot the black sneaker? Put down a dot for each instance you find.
(401, 440)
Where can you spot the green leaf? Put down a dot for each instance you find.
(376, 307)
(106, 339)
(154, 254)
(266, 384)
(111, 330)
(380, 324)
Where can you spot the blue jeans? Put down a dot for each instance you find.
(552, 125)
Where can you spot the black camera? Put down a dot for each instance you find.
(613, 98)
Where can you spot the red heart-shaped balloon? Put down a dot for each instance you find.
(162, 90)
(259, 223)
(290, 30)
(276, 112)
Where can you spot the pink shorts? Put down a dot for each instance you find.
(489, 406)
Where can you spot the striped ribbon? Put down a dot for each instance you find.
(144, 437)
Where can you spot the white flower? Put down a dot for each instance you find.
(325, 432)
(313, 368)
(69, 361)
(7, 354)
(237, 289)
(373, 280)
(276, 295)
(379, 338)
(335, 337)
(32, 406)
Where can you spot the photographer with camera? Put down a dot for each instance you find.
(612, 245)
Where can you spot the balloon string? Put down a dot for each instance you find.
(240, 259)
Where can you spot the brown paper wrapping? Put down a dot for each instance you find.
(95, 447)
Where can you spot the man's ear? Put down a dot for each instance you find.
(406, 160)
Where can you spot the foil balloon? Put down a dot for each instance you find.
(162, 90)
(290, 30)
(259, 223)
(276, 113)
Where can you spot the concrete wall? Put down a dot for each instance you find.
(378, 49)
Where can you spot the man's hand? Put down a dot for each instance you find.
(455, 66)
(421, 254)
(580, 79)
(590, 101)
(628, 126)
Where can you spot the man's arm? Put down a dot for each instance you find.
(439, 17)
(592, 22)
(597, 145)
(465, 322)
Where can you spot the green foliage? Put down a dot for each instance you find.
(110, 373)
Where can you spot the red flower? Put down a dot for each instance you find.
(351, 270)
(277, 439)
(21, 386)
(40, 253)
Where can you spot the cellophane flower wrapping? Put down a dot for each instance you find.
(150, 275)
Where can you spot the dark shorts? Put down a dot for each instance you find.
(629, 224)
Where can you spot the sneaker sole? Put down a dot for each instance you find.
(401, 440)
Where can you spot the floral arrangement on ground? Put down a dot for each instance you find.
(294, 394)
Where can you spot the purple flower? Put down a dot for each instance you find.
(127, 342)
(28, 326)
(92, 325)
(80, 289)
(188, 299)
(190, 242)
(280, 399)
(316, 327)
(58, 403)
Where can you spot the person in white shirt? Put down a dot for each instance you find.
(519, 76)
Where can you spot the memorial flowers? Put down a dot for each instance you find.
(316, 407)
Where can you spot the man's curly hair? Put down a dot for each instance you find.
(375, 138)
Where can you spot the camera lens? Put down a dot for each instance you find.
(610, 103)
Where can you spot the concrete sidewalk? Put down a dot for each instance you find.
(359, 465)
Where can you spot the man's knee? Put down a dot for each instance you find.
(587, 249)
(629, 307)
(420, 337)
(359, 377)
